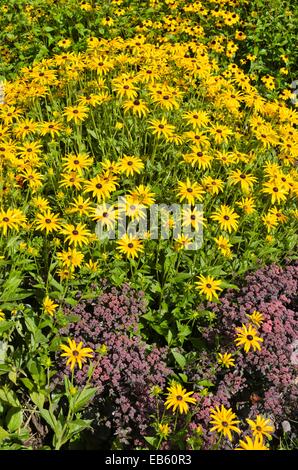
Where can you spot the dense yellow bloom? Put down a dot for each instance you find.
(178, 398)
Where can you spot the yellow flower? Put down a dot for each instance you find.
(256, 318)
(226, 360)
(2, 315)
(190, 191)
(224, 245)
(130, 165)
(76, 113)
(251, 444)
(76, 235)
(76, 353)
(47, 221)
(178, 398)
(226, 217)
(248, 338)
(261, 427)
(224, 421)
(208, 286)
(49, 306)
(164, 430)
(130, 246)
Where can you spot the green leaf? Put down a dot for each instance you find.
(3, 434)
(82, 398)
(49, 418)
(151, 440)
(38, 399)
(14, 419)
(74, 427)
(179, 358)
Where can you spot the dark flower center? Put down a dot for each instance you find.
(105, 214)
(136, 102)
(258, 428)
(48, 221)
(75, 353)
(275, 190)
(129, 163)
(98, 186)
(208, 286)
(250, 337)
(226, 217)
(242, 176)
(75, 232)
(161, 126)
(225, 424)
(5, 219)
(189, 190)
(179, 398)
(193, 217)
(130, 245)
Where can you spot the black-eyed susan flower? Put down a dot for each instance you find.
(256, 318)
(224, 421)
(47, 221)
(193, 218)
(276, 190)
(70, 258)
(77, 162)
(247, 204)
(76, 113)
(76, 234)
(99, 187)
(245, 180)
(49, 306)
(208, 286)
(247, 337)
(190, 191)
(178, 398)
(226, 217)
(75, 353)
(164, 430)
(106, 215)
(11, 219)
(223, 245)
(226, 360)
(161, 128)
(137, 106)
(261, 427)
(251, 444)
(130, 165)
(130, 246)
